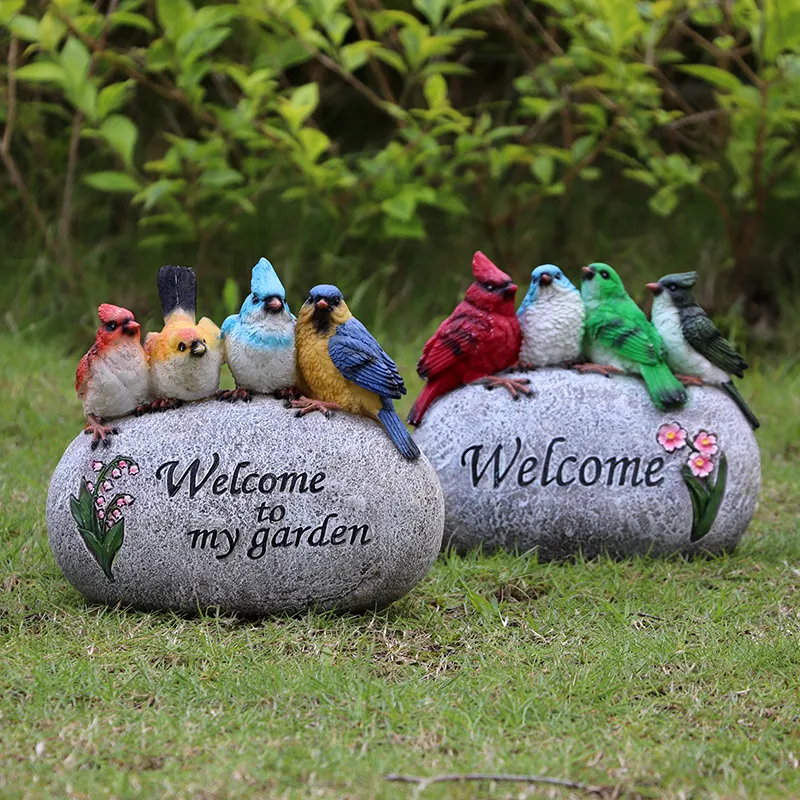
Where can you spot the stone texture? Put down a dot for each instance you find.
(303, 471)
(584, 416)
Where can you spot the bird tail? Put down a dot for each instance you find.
(177, 290)
(428, 394)
(397, 431)
(665, 389)
(733, 393)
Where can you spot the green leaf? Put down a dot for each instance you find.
(714, 501)
(41, 72)
(713, 75)
(117, 182)
(314, 142)
(132, 20)
(641, 176)
(111, 544)
(435, 91)
(231, 297)
(399, 229)
(663, 202)
(51, 29)
(543, 168)
(355, 55)
(8, 8)
(175, 17)
(394, 60)
(75, 60)
(221, 178)
(383, 20)
(112, 97)
(121, 133)
(26, 28)
(461, 9)
(432, 9)
(402, 206)
(337, 27)
(301, 105)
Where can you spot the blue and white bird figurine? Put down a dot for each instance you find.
(551, 319)
(259, 340)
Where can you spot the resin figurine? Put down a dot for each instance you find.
(186, 356)
(620, 338)
(112, 378)
(344, 367)
(551, 319)
(695, 348)
(259, 340)
(481, 337)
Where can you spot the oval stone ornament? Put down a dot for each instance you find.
(588, 464)
(246, 508)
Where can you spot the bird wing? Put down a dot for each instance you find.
(627, 333)
(209, 331)
(358, 356)
(82, 374)
(228, 325)
(456, 338)
(702, 334)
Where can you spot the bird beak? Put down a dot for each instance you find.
(198, 347)
(131, 326)
(588, 273)
(274, 304)
(510, 291)
(545, 279)
(322, 305)
(655, 288)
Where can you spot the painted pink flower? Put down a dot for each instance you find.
(116, 513)
(101, 514)
(90, 486)
(700, 465)
(671, 437)
(134, 469)
(97, 466)
(123, 465)
(115, 473)
(100, 502)
(106, 487)
(706, 443)
(121, 502)
(129, 499)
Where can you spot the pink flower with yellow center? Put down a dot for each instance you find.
(705, 443)
(700, 465)
(671, 437)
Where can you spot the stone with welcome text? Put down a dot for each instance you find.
(589, 465)
(246, 508)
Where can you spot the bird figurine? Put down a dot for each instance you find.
(620, 338)
(480, 338)
(259, 340)
(551, 320)
(696, 350)
(343, 367)
(185, 357)
(112, 378)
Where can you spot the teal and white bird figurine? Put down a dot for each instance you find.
(551, 318)
(620, 338)
(696, 350)
(259, 340)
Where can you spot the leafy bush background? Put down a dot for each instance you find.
(376, 146)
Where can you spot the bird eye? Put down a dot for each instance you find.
(255, 299)
(309, 300)
(558, 275)
(182, 346)
(489, 286)
(672, 287)
(604, 274)
(111, 326)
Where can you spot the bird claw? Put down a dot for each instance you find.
(690, 380)
(165, 404)
(288, 394)
(305, 405)
(516, 386)
(99, 432)
(142, 408)
(523, 366)
(597, 369)
(232, 395)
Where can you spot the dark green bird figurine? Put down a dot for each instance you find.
(695, 348)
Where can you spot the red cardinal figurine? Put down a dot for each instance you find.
(481, 337)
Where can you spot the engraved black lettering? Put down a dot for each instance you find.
(317, 479)
(494, 460)
(651, 470)
(258, 545)
(321, 530)
(173, 486)
(528, 465)
(598, 468)
(546, 480)
(626, 463)
(220, 484)
(236, 470)
(231, 539)
(339, 535)
(560, 480)
(363, 530)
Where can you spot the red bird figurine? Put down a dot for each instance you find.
(481, 337)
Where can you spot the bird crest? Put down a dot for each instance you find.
(486, 272)
(109, 313)
(685, 280)
(265, 281)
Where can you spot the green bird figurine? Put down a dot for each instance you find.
(696, 350)
(619, 335)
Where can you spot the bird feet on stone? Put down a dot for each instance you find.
(142, 408)
(523, 366)
(516, 386)
(99, 431)
(288, 394)
(165, 404)
(599, 369)
(305, 405)
(232, 395)
(690, 380)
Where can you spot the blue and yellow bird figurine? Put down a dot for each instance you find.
(343, 367)
(259, 340)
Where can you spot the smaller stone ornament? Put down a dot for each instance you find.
(243, 508)
(694, 346)
(589, 465)
(185, 357)
(480, 338)
(112, 378)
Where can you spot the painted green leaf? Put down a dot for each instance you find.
(714, 502)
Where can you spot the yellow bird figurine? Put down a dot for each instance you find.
(344, 367)
(185, 357)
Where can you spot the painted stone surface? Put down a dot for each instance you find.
(589, 465)
(244, 507)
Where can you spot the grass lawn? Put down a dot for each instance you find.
(656, 679)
